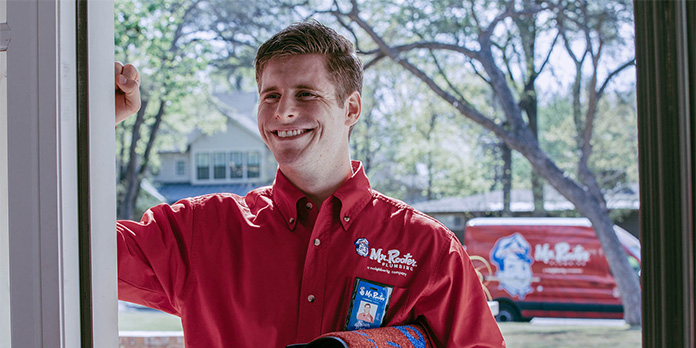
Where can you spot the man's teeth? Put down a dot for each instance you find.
(290, 133)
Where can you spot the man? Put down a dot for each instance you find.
(285, 263)
(365, 315)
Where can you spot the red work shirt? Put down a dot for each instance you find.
(270, 269)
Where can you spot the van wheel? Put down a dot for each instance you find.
(507, 312)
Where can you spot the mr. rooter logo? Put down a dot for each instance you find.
(561, 254)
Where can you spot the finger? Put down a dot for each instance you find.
(131, 72)
(128, 86)
(118, 68)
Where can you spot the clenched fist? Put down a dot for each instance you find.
(127, 86)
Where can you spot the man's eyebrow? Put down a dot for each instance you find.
(301, 86)
(269, 89)
(306, 87)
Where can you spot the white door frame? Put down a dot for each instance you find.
(41, 200)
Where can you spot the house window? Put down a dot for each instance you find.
(203, 166)
(180, 168)
(241, 164)
(236, 165)
(219, 165)
(253, 164)
(458, 223)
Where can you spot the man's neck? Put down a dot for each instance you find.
(319, 185)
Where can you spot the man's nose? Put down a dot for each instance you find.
(286, 109)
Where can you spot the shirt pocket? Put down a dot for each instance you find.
(398, 311)
(400, 308)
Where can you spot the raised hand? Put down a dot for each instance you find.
(127, 87)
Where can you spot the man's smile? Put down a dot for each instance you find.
(290, 133)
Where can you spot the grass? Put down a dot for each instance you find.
(517, 335)
(147, 320)
(525, 335)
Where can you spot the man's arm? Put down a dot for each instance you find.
(127, 87)
(455, 308)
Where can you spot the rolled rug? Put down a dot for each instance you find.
(406, 336)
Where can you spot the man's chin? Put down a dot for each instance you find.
(292, 160)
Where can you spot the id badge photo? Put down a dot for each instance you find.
(368, 305)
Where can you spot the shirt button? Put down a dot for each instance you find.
(346, 218)
(317, 242)
(292, 220)
(309, 206)
(311, 298)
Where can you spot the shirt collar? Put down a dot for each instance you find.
(285, 197)
(353, 195)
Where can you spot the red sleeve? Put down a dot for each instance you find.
(154, 256)
(454, 305)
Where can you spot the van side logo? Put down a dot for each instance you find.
(512, 256)
(561, 254)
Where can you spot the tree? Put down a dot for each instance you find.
(468, 34)
(412, 146)
(159, 39)
(237, 28)
(528, 30)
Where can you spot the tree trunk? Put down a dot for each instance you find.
(137, 167)
(588, 205)
(527, 27)
(128, 177)
(529, 105)
(506, 178)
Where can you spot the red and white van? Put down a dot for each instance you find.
(546, 267)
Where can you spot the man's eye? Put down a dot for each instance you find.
(271, 97)
(305, 95)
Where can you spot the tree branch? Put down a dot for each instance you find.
(430, 45)
(509, 13)
(477, 72)
(461, 105)
(548, 56)
(444, 76)
(612, 74)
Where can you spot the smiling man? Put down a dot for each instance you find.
(305, 121)
(292, 261)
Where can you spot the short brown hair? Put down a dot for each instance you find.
(312, 37)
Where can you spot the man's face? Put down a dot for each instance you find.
(518, 273)
(299, 117)
(366, 308)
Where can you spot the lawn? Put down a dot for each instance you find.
(526, 335)
(147, 320)
(517, 335)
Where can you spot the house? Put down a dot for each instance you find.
(235, 160)
(454, 212)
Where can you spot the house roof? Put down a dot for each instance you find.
(240, 107)
(177, 191)
(521, 200)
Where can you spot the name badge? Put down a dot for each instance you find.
(368, 305)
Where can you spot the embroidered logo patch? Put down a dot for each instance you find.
(391, 261)
(394, 259)
(362, 247)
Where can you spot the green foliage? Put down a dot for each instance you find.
(615, 140)
(412, 144)
(236, 29)
(159, 37)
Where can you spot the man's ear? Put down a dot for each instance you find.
(353, 106)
